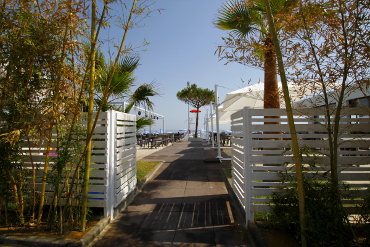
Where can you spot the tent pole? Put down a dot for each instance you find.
(207, 127)
(188, 85)
(217, 126)
(212, 139)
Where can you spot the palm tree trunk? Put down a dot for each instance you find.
(271, 97)
(271, 88)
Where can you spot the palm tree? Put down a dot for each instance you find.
(141, 97)
(123, 78)
(247, 19)
(142, 122)
(122, 81)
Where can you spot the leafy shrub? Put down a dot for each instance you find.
(326, 221)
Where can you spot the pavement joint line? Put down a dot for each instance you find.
(230, 212)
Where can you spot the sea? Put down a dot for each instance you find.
(201, 132)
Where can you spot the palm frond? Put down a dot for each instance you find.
(142, 122)
(122, 79)
(141, 97)
(100, 63)
(235, 16)
(121, 83)
(129, 63)
(277, 6)
(141, 94)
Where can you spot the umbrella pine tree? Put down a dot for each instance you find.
(196, 97)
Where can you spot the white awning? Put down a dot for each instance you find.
(251, 96)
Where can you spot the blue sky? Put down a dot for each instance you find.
(182, 43)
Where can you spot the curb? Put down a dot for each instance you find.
(57, 241)
(255, 233)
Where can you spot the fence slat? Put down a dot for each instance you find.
(261, 152)
(114, 144)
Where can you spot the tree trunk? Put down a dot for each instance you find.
(271, 88)
(196, 124)
(271, 97)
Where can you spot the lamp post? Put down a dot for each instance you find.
(188, 85)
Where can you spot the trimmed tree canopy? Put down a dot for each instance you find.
(196, 97)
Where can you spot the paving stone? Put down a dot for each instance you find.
(175, 206)
(195, 219)
(154, 237)
(194, 237)
(171, 193)
(130, 219)
(197, 184)
(199, 192)
(161, 220)
(153, 185)
(196, 206)
(174, 184)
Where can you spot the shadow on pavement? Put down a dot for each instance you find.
(186, 203)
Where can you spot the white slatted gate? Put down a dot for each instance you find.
(260, 152)
(113, 163)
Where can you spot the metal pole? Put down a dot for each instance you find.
(217, 126)
(163, 125)
(206, 127)
(188, 85)
(213, 139)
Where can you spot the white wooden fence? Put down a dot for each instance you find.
(260, 152)
(113, 164)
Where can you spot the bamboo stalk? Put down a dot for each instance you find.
(74, 119)
(44, 176)
(90, 129)
(293, 133)
(105, 97)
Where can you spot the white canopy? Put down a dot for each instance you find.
(251, 96)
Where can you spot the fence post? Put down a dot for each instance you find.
(111, 129)
(108, 202)
(247, 166)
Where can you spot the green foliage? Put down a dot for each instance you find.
(239, 20)
(142, 122)
(195, 96)
(122, 78)
(10, 173)
(326, 222)
(42, 84)
(250, 41)
(141, 96)
(68, 149)
(365, 210)
(39, 88)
